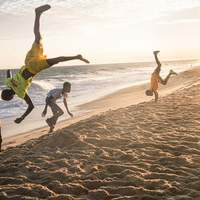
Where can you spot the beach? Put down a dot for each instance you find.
(125, 146)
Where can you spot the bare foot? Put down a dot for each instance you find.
(43, 8)
(83, 59)
(156, 52)
(172, 72)
(51, 130)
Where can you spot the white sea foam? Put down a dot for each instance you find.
(41, 84)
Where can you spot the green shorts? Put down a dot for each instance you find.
(35, 61)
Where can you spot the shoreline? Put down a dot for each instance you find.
(121, 98)
(125, 75)
(34, 121)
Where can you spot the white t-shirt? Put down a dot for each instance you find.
(57, 94)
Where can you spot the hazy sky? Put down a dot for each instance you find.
(103, 31)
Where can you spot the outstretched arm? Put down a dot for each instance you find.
(156, 95)
(65, 103)
(29, 109)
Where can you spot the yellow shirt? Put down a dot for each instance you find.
(19, 84)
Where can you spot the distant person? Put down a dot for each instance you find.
(155, 78)
(52, 96)
(35, 62)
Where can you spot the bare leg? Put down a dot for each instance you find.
(55, 118)
(158, 69)
(53, 61)
(38, 38)
(168, 76)
(38, 12)
(57, 112)
(52, 121)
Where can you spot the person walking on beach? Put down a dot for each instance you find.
(52, 96)
(35, 62)
(156, 78)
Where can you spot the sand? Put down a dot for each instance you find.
(127, 147)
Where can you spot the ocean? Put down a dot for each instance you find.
(87, 80)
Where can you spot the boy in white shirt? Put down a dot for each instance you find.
(52, 96)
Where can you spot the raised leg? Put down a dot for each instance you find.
(38, 12)
(168, 76)
(158, 69)
(53, 61)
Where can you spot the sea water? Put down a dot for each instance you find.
(86, 80)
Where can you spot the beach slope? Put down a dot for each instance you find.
(144, 151)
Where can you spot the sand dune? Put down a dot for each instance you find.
(144, 151)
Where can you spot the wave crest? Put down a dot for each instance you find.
(41, 84)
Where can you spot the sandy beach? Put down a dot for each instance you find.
(127, 147)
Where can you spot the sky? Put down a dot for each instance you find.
(103, 31)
